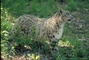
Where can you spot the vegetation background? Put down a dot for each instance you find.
(74, 45)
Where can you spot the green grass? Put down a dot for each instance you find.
(73, 49)
(70, 45)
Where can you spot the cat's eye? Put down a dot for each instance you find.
(68, 13)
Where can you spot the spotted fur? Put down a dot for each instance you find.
(50, 29)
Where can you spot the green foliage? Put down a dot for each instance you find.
(17, 7)
(71, 6)
(42, 8)
(4, 47)
(6, 19)
(34, 57)
(70, 48)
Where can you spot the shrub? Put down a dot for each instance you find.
(71, 6)
(42, 8)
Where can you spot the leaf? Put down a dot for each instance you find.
(37, 57)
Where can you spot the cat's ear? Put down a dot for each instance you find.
(61, 11)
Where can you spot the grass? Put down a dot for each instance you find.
(72, 46)
(73, 49)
